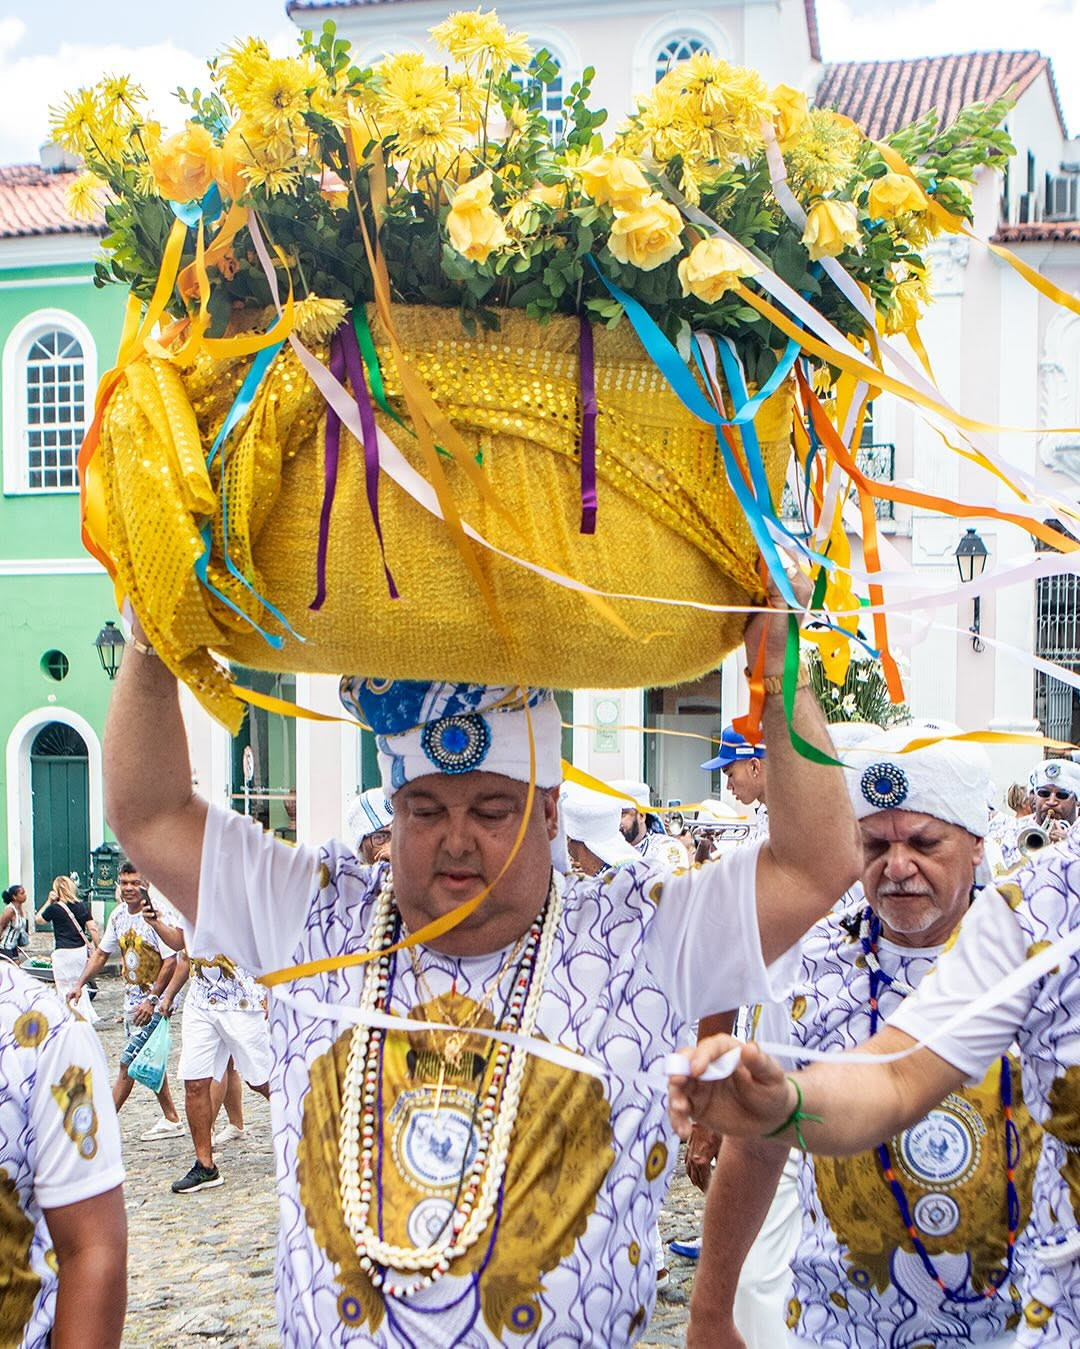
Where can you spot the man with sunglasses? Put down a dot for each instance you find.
(1055, 784)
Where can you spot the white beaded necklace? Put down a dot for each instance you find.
(484, 1178)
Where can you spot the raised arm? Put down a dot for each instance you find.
(149, 802)
(814, 852)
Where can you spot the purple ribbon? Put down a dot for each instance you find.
(355, 366)
(587, 367)
(330, 470)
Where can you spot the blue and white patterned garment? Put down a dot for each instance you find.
(59, 1142)
(218, 984)
(1035, 907)
(856, 1278)
(566, 1258)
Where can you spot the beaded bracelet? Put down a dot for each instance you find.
(141, 647)
(775, 683)
(796, 1118)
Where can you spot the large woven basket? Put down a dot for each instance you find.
(668, 525)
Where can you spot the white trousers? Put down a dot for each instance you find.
(765, 1282)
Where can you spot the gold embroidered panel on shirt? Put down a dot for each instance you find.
(74, 1096)
(140, 960)
(952, 1167)
(19, 1284)
(562, 1149)
(1064, 1123)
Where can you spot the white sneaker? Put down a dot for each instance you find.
(229, 1133)
(164, 1128)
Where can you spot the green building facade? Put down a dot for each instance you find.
(57, 334)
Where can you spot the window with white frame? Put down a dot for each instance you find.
(49, 372)
(675, 49)
(547, 98)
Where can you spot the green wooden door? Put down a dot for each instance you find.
(60, 786)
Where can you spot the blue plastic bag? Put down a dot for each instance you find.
(148, 1066)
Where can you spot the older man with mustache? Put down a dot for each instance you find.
(922, 1238)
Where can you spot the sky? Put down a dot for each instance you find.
(52, 46)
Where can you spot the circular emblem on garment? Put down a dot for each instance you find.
(434, 1149)
(884, 785)
(1052, 770)
(941, 1150)
(431, 1223)
(82, 1119)
(937, 1215)
(456, 744)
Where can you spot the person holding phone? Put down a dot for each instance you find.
(146, 966)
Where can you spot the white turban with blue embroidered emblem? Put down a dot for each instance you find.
(950, 780)
(1060, 773)
(423, 728)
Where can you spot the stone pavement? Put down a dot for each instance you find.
(201, 1267)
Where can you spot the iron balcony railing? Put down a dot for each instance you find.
(876, 461)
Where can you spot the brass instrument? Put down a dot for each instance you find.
(721, 834)
(1032, 839)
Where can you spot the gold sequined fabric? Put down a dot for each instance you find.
(668, 524)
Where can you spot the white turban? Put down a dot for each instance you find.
(592, 818)
(1061, 773)
(423, 728)
(950, 780)
(368, 813)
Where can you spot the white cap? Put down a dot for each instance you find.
(638, 791)
(593, 819)
(1061, 773)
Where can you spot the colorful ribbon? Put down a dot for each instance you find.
(587, 367)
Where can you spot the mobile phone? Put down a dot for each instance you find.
(148, 907)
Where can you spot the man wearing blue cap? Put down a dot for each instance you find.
(744, 770)
(446, 1174)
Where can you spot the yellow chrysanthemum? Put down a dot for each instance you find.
(120, 92)
(317, 319)
(273, 178)
(277, 95)
(239, 66)
(823, 158)
(470, 95)
(83, 197)
(72, 124)
(432, 141)
(414, 100)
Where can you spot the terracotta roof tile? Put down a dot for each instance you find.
(1042, 231)
(883, 96)
(32, 203)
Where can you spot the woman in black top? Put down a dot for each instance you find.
(74, 936)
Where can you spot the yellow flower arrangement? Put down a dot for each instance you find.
(484, 204)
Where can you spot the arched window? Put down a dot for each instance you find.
(49, 374)
(678, 48)
(547, 98)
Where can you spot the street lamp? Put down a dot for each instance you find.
(971, 554)
(110, 648)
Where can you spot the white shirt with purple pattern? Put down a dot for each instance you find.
(637, 957)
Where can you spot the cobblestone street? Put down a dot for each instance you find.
(201, 1267)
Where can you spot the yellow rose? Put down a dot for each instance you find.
(476, 234)
(831, 226)
(613, 180)
(231, 160)
(712, 269)
(555, 195)
(185, 165)
(648, 237)
(475, 193)
(792, 112)
(892, 194)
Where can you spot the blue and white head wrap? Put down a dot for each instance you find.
(422, 728)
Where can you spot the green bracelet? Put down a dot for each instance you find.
(796, 1118)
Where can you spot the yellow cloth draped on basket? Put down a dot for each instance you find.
(668, 524)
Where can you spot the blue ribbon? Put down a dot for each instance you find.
(207, 208)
